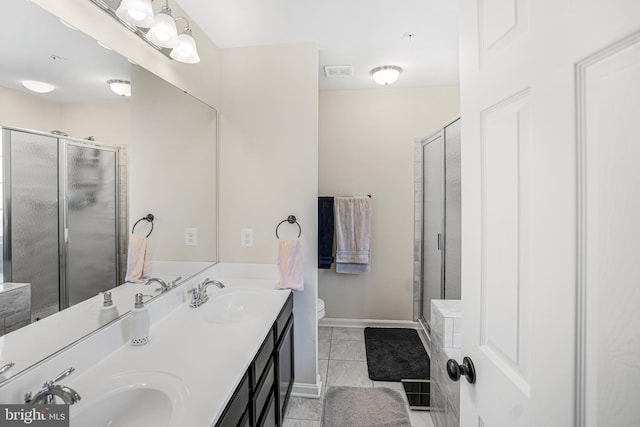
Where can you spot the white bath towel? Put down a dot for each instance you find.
(137, 259)
(290, 273)
(353, 234)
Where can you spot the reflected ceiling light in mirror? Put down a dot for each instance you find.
(164, 33)
(386, 74)
(38, 86)
(186, 51)
(137, 12)
(120, 87)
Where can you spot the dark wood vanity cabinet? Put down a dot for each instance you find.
(262, 396)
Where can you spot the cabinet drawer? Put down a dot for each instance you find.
(269, 417)
(283, 317)
(237, 406)
(246, 420)
(263, 390)
(262, 360)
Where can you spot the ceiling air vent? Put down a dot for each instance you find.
(338, 70)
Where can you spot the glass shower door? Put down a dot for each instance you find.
(91, 221)
(433, 207)
(31, 231)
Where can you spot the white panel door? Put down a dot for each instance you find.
(550, 100)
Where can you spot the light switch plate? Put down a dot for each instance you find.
(246, 237)
(191, 237)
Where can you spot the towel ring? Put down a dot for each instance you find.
(291, 219)
(149, 218)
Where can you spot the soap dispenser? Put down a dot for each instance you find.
(139, 322)
(108, 311)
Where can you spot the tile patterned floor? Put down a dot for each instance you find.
(342, 362)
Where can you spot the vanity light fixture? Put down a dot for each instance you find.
(160, 31)
(137, 12)
(164, 33)
(38, 86)
(120, 87)
(186, 51)
(386, 74)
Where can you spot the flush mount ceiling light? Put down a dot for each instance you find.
(164, 33)
(120, 87)
(386, 74)
(38, 86)
(137, 12)
(186, 51)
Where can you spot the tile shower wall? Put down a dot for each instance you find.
(123, 214)
(446, 333)
(15, 306)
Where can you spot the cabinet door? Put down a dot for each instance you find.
(285, 370)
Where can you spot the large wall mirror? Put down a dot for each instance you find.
(80, 165)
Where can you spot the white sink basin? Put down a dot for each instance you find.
(132, 400)
(231, 307)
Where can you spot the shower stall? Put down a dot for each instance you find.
(60, 209)
(438, 209)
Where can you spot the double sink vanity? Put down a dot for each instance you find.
(227, 362)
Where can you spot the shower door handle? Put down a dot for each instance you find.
(440, 242)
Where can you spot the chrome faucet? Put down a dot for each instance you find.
(164, 286)
(199, 294)
(50, 390)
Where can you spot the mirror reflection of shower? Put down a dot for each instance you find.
(61, 218)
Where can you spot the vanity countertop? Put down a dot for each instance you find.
(199, 362)
(208, 359)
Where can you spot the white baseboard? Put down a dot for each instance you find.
(372, 323)
(306, 390)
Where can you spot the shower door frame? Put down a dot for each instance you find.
(439, 135)
(419, 223)
(62, 172)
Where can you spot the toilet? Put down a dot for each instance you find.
(320, 309)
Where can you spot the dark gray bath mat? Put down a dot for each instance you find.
(394, 354)
(364, 407)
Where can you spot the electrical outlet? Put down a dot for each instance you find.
(246, 237)
(191, 237)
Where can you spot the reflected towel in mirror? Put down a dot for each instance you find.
(137, 259)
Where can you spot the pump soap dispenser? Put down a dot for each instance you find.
(108, 311)
(139, 322)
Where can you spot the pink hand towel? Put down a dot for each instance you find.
(290, 265)
(137, 259)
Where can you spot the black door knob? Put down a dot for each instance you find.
(454, 370)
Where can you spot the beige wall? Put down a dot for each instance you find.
(25, 111)
(366, 145)
(107, 121)
(173, 172)
(268, 167)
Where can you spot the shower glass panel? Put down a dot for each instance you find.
(31, 196)
(91, 194)
(432, 152)
(453, 206)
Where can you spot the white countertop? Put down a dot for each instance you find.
(203, 361)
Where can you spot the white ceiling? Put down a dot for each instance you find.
(31, 36)
(362, 33)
